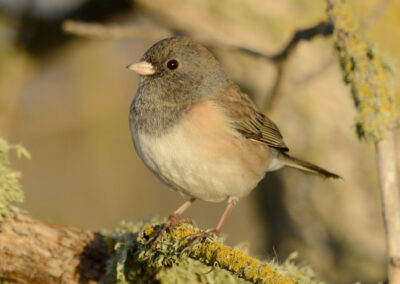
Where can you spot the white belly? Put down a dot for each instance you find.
(189, 170)
(209, 163)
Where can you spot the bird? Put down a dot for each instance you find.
(199, 133)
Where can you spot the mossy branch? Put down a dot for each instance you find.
(32, 251)
(373, 94)
(132, 260)
(366, 72)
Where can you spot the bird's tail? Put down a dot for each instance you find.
(305, 166)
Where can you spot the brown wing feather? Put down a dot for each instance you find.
(247, 120)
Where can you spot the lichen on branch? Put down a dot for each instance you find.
(366, 72)
(10, 188)
(132, 261)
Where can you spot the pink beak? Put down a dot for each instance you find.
(142, 68)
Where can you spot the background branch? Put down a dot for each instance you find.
(374, 97)
(101, 31)
(95, 30)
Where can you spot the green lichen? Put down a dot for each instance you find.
(366, 72)
(208, 262)
(10, 188)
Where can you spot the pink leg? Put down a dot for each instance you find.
(198, 237)
(171, 222)
(224, 216)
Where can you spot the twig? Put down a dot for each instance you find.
(279, 59)
(323, 29)
(100, 31)
(390, 196)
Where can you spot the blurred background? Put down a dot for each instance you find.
(66, 99)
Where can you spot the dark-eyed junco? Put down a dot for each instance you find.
(195, 130)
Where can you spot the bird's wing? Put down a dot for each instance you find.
(247, 120)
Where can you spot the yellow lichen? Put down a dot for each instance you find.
(148, 230)
(215, 253)
(372, 89)
(132, 260)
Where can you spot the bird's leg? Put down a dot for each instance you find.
(171, 222)
(185, 220)
(195, 238)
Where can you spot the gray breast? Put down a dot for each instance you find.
(152, 113)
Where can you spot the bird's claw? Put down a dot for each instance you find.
(195, 239)
(171, 224)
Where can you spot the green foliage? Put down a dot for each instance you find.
(208, 262)
(10, 188)
(366, 72)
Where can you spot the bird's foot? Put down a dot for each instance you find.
(186, 220)
(171, 224)
(195, 239)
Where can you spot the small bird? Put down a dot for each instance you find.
(199, 133)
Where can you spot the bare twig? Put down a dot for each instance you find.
(323, 28)
(101, 31)
(279, 59)
(390, 196)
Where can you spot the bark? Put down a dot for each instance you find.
(390, 197)
(32, 251)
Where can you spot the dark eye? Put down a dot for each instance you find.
(172, 64)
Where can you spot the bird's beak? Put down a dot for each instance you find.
(142, 68)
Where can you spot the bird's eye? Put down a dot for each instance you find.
(172, 64)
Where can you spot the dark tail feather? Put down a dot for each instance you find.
(305, 166)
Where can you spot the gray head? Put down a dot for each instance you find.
(179, 70)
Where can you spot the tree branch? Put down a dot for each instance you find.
(374, 98)
(33, 251)
(95, 30)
